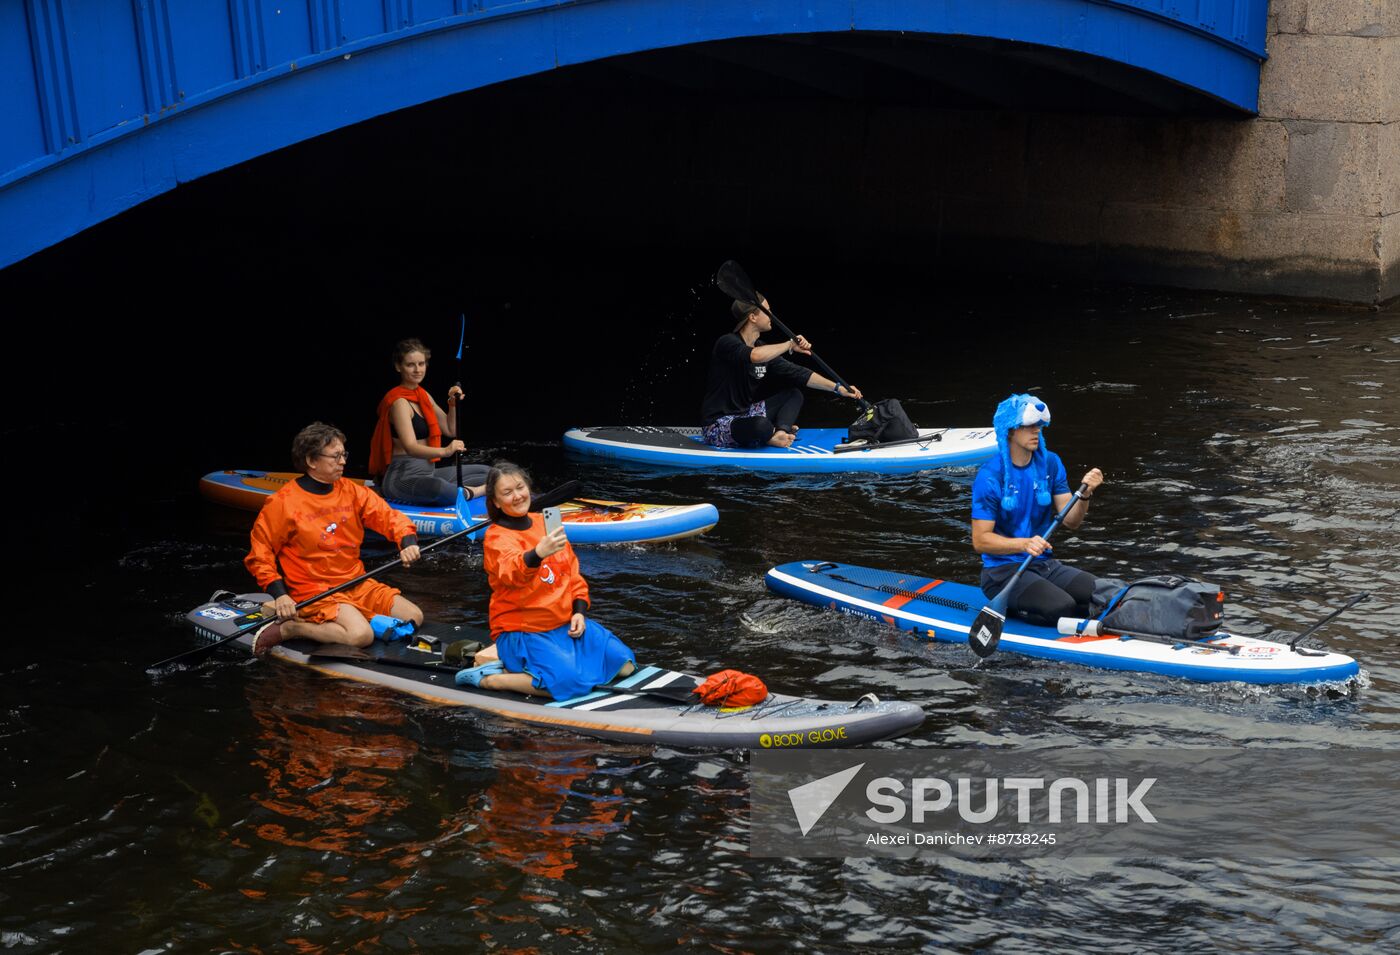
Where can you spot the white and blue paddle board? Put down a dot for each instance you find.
(814, 451)
(940, 610)
(586, 521)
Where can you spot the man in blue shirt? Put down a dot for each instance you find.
(1015, 496)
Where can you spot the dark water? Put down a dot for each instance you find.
(246, 805)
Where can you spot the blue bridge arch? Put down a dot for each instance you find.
(107, 103)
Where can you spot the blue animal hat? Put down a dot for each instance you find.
(1020, 411)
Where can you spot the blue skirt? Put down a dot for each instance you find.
(561, 665)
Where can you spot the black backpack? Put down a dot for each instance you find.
(882, 421)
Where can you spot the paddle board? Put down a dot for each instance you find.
(626, 709)
(586, 521)
(814, 451)
(940, 610)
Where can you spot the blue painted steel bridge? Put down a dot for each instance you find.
(107, 103)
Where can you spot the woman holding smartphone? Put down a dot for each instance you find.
(544, 644)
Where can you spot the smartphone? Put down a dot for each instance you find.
(552, 519)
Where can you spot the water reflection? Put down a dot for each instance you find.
(1256, 447)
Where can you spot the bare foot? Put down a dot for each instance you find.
(781, 439)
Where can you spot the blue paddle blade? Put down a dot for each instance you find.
(463, 340)
(463, 512)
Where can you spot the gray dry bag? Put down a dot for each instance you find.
(1166, 605)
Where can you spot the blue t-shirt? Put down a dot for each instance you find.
(1026, 518)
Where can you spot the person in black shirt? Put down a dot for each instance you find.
(753, 394)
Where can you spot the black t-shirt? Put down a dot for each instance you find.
(735, 382)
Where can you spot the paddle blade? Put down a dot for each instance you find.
(553, 498)
(200, 652)
(464, 513)
(733, 281)
(986, 632)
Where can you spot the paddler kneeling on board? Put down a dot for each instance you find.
(543, 643)
(307, 539)
(409, 440)
(753, 394)
(1014, 498)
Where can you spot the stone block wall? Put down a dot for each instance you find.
(1303, 200)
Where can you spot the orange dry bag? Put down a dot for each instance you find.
(731, 688)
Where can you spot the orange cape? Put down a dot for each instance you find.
(381, 446)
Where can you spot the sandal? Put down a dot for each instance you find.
(475, 675)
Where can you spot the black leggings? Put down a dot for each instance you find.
(1047, 591)
(754, 430)
(415, 480)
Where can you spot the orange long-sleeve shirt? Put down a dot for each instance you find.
(316, 538)
(525, 598)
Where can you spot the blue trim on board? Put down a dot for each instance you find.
(1051, 649)
(818, 459)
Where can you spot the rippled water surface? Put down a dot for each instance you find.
(241, 805)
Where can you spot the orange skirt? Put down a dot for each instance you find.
(369, 598)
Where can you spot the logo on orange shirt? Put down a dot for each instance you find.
(546, 574)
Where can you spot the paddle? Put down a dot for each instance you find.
(986, 629)
(733, 281)
(1095, 630)
(613, 506)
(461, 343)
(1356, 599)
(558, 495)
(869, 445)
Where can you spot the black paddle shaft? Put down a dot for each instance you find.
(734, 282)
(871, 445)
(1356, 599)
(985, 632)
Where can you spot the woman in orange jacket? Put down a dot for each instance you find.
(544, 645)
(408, 437)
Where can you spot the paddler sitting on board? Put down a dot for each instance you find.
(306, 540)
(753, 394)
(543, 644)
(408, 437)
(1015, 496)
